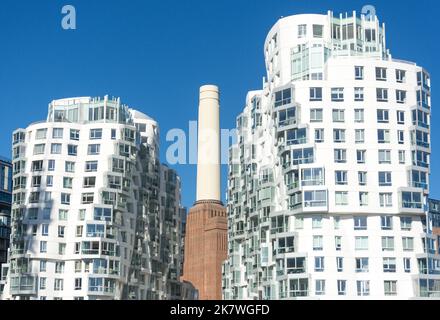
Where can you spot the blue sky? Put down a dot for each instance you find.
(156, 54)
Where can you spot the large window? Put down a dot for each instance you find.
(363, 287)
(361, 243)
(93, 149)
(337, 94)
(412, 200)
(55, 148)
(315, 94)
(315, 198)
(95, 134)
(41, 134)
(386, 200)
(341, 177)
(338, 135)
(102, 214)
(340, 155)
(318, 31)
(39, 149)
(383, 136)
(360, 223)
(384, 156)
(385, 179)
(362, 265)
(89, 182)
(316, 115)
(312, 177)
(390, 288)
(87, 198)
(382, 94)
(341, 198)
(387, 243)
(57, 133)
(91, 166)
(389, 264)
(338, 115)
(381, 74)
(383, 116)
(283, 97)
(408, 244)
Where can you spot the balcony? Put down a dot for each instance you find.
(24, 285)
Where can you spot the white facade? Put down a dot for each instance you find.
(95, 215)
(328, 184)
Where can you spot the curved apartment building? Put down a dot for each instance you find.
(329, 181)
(95, 215)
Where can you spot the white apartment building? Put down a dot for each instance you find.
(95, 215)
(328, 183)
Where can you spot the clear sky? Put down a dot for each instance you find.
(156, 54)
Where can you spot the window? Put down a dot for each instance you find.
(390, 288)
(81, 214)
(67, 182)
(358, 73)
(102, 214)
(65, 198)
(363, 199)
(95, 134)
(400, 76)
(386, 200)
(78, 283)
(363, 287)
(49, 181)
(91, 166)
(360, 223)
(341, 178)
(93, 149)
(34, 197)
(408, 244)
(341, 198)
(315, 94)
(386, 222)
(317, 243)
(74, 134)
(405, 223)
(385, 179)
(381, 74)
(58, 284)
(384, 156)
(42, 283)
(283, 97)
(359, 136)
(87, 198)
(389, 264)
(57, 133)
(43, 246)
(339, 135)
(44, 230)
(318, 30)
(302, 30)
(383, 116)
(61, 248)
(400, 117)
(387, 243)
(358, 94)
(319, 135)
(407, 265)
(320, 287)
(383, 136)
(62, 215)
(317, 222)
(338, 243)
(340, 264)
(337, 94)
(36, 181)
(72, 150)
(61, 231)
(70, 167)
(400, 96)
(340, 155)
(55, 148)
(402, 157)
(51, 165)
(113, 134)
(39, 149)
(400, 136)
(362, 177)
(359, 115)
(43, 265)
(361, 243)
(361, 156)
(41, 134)
(342, 287)
(382, 95)
(316, 115)
(319, 264)
(299, 223)
(79, 231)
(89, 182)
(362, 265)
